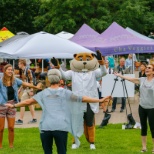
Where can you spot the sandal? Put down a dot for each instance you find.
(152, 151)
(11, 147)
(144, 150)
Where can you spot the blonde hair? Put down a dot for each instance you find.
(5, 78)
(152, 66)
(22, 61)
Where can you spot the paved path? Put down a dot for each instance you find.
(116, 117)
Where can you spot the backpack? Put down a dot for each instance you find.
(33, 75)
(111, 62)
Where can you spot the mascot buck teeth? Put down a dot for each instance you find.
(85, 69)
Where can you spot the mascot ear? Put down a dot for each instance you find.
(93, 55)
(74, 55)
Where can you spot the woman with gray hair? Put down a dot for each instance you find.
(57, 119)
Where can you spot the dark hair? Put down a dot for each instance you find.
(143, 63)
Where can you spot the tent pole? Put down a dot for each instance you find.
(65, 62)
(42, 65)
(13, 64)
(138, 56)
(132, 63)
(35, 63)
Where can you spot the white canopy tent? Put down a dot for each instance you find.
(41, 45)
(19, 35)
(65, 35)
(138, 34)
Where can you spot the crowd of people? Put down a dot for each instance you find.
(15, 92)
(53, 128)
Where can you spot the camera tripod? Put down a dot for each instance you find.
(107, 116)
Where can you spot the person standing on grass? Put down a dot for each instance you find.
(9, 95)
(26, 75)
(146, 104)
(57, 120)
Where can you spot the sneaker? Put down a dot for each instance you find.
(74, 146)
(32, 121)
(19, 122)
(92, 146)
(121, 110)
(144, 150)
(106, 111)
(112, 110)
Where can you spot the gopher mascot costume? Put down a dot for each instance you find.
(84, 72)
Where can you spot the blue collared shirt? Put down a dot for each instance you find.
(3, 91)
(128, 62)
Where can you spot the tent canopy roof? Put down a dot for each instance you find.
(85, 33)
(138, 34)
(65, 35)
(117, 40)
(42, 45)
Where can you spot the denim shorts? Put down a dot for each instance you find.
(7, 112)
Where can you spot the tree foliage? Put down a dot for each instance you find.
(69, 15)
(57, 15)
(18, 15)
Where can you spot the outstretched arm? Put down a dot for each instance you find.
(27, 102)
(100, 72)
(87, 99)
(134, 80)
(26, 84)
(66, 75)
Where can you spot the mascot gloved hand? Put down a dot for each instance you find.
(55, 62)
(99, 57)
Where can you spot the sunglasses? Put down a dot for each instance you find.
(149, 68)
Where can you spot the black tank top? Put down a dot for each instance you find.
(10, 93)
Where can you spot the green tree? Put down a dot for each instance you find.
(56, 15)
(18, 15)
(132, 14)
(69, 15)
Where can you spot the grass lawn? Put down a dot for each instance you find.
(109, 140)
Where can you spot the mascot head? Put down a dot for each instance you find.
(84, 62)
